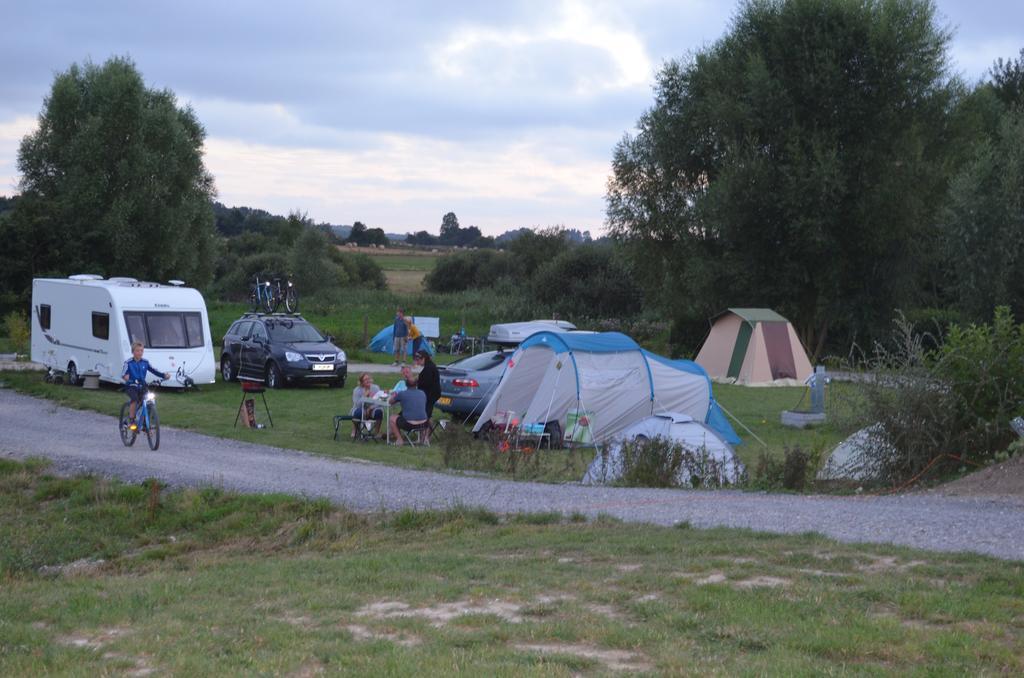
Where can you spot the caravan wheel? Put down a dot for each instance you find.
(72, 374)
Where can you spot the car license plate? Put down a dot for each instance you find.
(444, 401)
(323, 368)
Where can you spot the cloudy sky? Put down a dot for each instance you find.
(394, 113)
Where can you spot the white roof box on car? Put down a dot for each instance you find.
(512, 334)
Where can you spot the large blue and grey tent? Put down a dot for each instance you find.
(604, 379)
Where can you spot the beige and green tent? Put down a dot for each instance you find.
(754, 346)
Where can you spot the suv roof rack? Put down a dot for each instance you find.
(257, 314)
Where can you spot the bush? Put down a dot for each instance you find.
(983, 366)
(468, 270)
(789, 473)
(587, 280)
(660, 462)
(16, 329)
(942, 407)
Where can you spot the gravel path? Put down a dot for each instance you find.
(80, 442)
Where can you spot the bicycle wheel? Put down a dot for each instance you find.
(127, 435)
(254, 299)
(291, 300)
(152, 427)
(268, 300)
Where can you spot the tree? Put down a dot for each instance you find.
(357, 235)
(1008, 80)
(113, 182)
(984, 224)
(421, 238)
(797, 163)
(449, 229)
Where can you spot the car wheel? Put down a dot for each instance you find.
(274, 377)
(337, 383)
(227, 369)
(72, 374)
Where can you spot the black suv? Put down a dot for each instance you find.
(277, 349)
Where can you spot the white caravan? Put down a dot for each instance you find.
(85, 323)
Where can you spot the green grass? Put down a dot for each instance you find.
(207, 582)
(303, 421)
(760, 409)
(406, 262)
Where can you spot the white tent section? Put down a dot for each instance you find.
(606, 376)
(852, 458)
(711, 453)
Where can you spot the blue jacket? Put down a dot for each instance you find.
(399, 329)
(136, 371)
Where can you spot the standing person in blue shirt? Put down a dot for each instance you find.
(399, 334)
(134, 375)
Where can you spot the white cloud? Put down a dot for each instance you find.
(975, 58)
(402, 180)
(11, 133)
(576, 24)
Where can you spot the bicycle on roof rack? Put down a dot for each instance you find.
(267, 295)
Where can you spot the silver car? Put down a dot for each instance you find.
(467, 384)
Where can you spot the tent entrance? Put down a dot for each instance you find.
(780, 353)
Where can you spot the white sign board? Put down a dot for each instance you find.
(430, 327)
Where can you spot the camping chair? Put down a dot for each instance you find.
(419, 434)
(365, 430)
(337, 422)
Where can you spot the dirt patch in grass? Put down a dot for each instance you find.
(301, 621)
(759, 581)
(94, 640)
(80, 568)
(365, 634)
(442, 613)
(880, 564)
(762, 581)
(613, 660)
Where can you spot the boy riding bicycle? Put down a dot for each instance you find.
(134, 375)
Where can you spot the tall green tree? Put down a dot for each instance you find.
(449, 229)
(984, 221)
(797, 163)
(113, 182)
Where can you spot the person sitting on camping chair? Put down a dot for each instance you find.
(414, 410)
(363, 405)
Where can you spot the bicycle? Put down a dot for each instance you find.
(146, 419)
(267, 295)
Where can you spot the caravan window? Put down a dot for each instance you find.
(165, 329)
(136, 328)
(101, 325)
(194, 329)
(44, 316)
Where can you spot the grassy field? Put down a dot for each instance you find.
(303, 420)
(104, 578)
(403, 269)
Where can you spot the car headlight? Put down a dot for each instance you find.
(292, 357)
(150, 396)
(341, 356)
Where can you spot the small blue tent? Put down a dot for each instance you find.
(383, 342)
